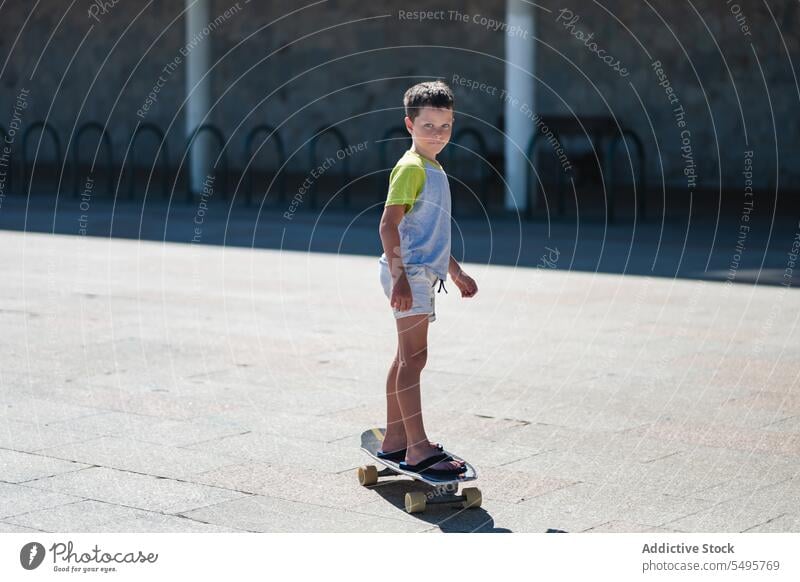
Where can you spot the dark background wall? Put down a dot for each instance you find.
(348, 62)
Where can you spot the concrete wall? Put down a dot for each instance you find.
(367, 53)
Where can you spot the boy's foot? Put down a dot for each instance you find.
(416, 455)
(429, 466)
(391, 444)
(400, 454)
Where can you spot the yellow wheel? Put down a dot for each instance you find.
(415, 502)
(473, 497)
(368, 475)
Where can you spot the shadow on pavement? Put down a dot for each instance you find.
(678, 247)
(450, 518)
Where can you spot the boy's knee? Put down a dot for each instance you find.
(416, 360)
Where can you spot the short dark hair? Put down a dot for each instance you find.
(428, 94)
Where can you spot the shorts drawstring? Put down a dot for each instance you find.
(441, 285)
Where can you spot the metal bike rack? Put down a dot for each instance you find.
(398, 133)
(639, 180)
(532, 190)
(393, 134)
(43, 127)
(249, 152)
(223, 169)
(105, 139)
(312, 163)
(482, 152)
(163, 155)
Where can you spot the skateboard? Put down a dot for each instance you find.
(444, 488)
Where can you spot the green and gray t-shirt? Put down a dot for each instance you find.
(421, 185)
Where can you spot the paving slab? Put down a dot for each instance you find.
(39, 410)
(151, 429)
(787, 426)
(721, 474)
(17, 467)
(543, 517)
(719, 435)
(80, 516)
(140, 457)
(290, 482)
(748, 512)
(291, 423)
(133, 490)
(780, 524)
(30, 437)
(598, 468)
(730, 516)
(160, 523)
(590, 504)
(513, 486)
(619, 526)
(270, 448)
(264, 514)
(170, 400)
(11, 528)
(18, 499)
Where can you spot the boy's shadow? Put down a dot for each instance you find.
(450, 518)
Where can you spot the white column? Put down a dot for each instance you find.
(520, 66)
(198, 93)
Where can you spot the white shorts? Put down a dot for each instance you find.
(422, 282)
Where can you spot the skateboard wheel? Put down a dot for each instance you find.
(473, 497)
(368, 475)
(415, 502)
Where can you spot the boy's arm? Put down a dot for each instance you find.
(401, 298)
(405, 183)
(390, 238)
(454, 268)
(464, 282)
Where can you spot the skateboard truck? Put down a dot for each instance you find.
(416, 501)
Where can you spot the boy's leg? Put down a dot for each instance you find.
(395, 438)
(412, 333)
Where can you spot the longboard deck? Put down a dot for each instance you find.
(371, 441)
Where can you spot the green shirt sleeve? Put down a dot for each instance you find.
(405, 184)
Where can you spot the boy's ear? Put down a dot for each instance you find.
(409, 125)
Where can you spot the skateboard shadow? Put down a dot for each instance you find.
(449, 518)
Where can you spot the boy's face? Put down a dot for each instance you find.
(431, 129)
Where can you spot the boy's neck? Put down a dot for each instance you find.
(417, 151)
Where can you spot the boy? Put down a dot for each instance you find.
(415, 232)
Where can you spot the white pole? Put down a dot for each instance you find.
(198, 61)
(520, 68)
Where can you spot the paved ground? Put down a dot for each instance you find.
(148, 386)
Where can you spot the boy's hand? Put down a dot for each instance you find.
(401, 294)
(466, 284)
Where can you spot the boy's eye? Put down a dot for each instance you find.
(428, 125)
